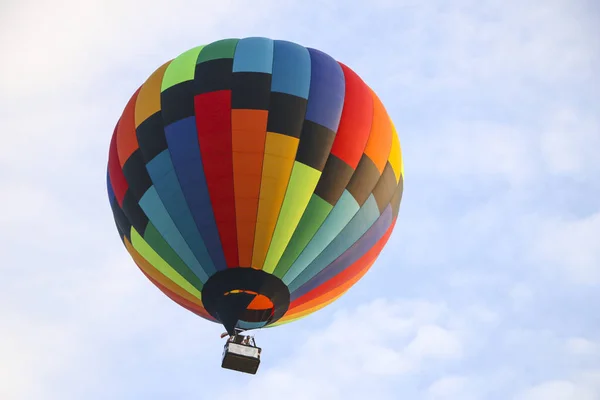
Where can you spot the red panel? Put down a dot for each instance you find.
(213, 123)
(355, 124)
(346, 274)
(115, 173)
(127, 141)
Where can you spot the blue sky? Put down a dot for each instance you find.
(488, 288)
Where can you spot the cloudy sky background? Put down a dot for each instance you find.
(488, 288)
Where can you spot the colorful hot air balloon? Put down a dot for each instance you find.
(254, 181)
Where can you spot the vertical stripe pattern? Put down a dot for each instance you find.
(255, 153)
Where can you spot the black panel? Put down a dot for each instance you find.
(286, 114)
(177, 102)
(213, 75)
(122, 235)
(123, 224)
(397, 197)
(134, 213)
(151, 136)
(257, 315)
(334, 179)
(251, 90)
(315, 145)
(249, 279)
(385, 188)
(364, 180)
(136, 175)
(231, 308)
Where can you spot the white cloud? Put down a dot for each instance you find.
(571, 247)
(70, 332)
(62, 46)
(23, 202)
(582, 347)
(467, 151)
(393, 347)
(431, 341)
(559, 390)
(498, 49)
(450, 387)
(570, 142)
(30, 354)
(367, 349)
(521, 295)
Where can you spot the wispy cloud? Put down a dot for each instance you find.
(427, 350)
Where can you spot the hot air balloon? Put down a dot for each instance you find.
(254, 181)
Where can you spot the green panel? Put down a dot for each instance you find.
(157, 262)
(303, 182)
(313, 218)
(341, 215)
(181, 69)
(220, 49)
(162, 248)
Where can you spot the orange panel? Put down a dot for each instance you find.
(247, 169)
(245, 231)
(246, 211)
(248, 141)
(247, 172)
(260, 302)
(380, 139)
(249, 120)
(148, 100)
(249, 130)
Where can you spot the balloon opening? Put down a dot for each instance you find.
(245, 298)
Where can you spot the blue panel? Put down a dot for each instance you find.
(159, 165)
(350, 256)
(111, 193)
(167, 186)
(187, 160)
(253, 55)
(338, 218)
(291, 69)
(361, 222)
(250, 325)
(327, 90)
(160, 218)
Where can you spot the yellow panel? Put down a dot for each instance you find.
(272, 192)
(280, 152)
(155, 274)
(148, 253)
(302, 184)
(395, 158)
(281, 145)
(276, 167)
(148, 100)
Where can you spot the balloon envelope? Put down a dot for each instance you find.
(254, 181)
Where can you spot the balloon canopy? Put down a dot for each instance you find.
(254, 181)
